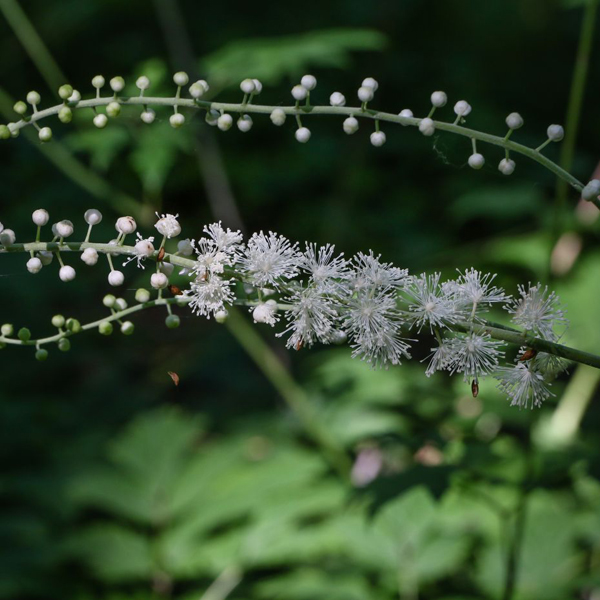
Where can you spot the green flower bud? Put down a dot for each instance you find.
(109, 300)
(65, 115)
(45, 134)
(120, 303)
(113, 109)
(172, 321)
(142, 295)
(64, 344)
(20, 107)
(58, 321)
(65, 91)
(7, 330)
(105, 328)
(127, 328)
(73, 325)
(4, 132)
(24, 334)
(41, 354)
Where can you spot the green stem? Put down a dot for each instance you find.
(296, 398)
(533, 154)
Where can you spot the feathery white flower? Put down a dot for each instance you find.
(474, 355)
(373, 274)
(430, 305)
(269, 258)
(208, 296)
(523, 384)
(143, 249)
(209, 260)
(440, 357)
(475, 291)
(326, 272)
(312, 317)
(265, 312)
(225, 240)
(538, 311)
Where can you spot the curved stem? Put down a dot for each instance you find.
(495, 140)
(499, 332)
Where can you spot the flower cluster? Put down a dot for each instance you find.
(323, 297)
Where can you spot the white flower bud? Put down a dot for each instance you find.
(7, 237)
(244, 123)
(224, 122)
(45, 134)
(125, 225)
(34, 265)
(176, 120)
(92, 216)
(212, 116)
(46, 257)
(33, 98)
(337, 99)
(116, 278)
(117, 84)
(299, 92)
(168, 225)
(407, 114)
(370, 83)
(462, 108)
(144, 248)
(278, 117)
(100, 121)
(302, 134)
(89, 256)
(166, 268)
(142, 295)
(507, 166)
(555, 133)
(309, 82)
(265, 313)
(514, 121)
(427, 126)
(159, 281)
(64, 228)
(148, 116)
(350, 125)
(181, 78)
(75, 96)
(365, 94)
(439, 99)
(592, 190)
(120, 303)
(127, 328)
(98, 82)
(476, 161)
(185, 248)
(257, 87)
(198, 89)
(113, 109)
(247, 86)
(378, 138)
(221, 316)
(67, 273)
(40, 217)
(142, 83)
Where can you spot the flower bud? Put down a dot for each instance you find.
(105, 328)
(126, 225)
(159, 281)
(109, 301)
(113, 109)
(142, 83)
(309, 82)
(172, 321)
(407, 114)
(98, 82)
(116, 278)
(212, 116)
(365, 94)
(166, 268)
(181, 78)
(142, 295)
(378, 138)
(4, 132)
(34, 265)
(244, 123)
(7, 330)
(278, 117)
(247, 86)
(514, 121)
(65, 91)
(476, 161)
(89, 256)
(65, 114)
(92, 216)
(148, 116)
(592, 190)
(370, 83)
(257, 87)
(73, 325)
(33, 98)
(350, 125)
(439, 99)
(64, 344)
(302, 134)
(67, 273)
(168, 225)
(20, 107)
(58, 321)
(198, 89)
(7, 237)
(427, 126)
(337, 99)
(75, 96)
(45, 134)
(100, 121)
(45, 256)
(462, 108)
(224, 122)
(507, 166)
(24, 334)
(299, 92)
(177, 120)
(64, 228)
(555, 133)
(120, 304)
(40, 217)
(185, 248)
(41, 354)
(127, 328)
(117, 84)
(144, 248)
(221, 316)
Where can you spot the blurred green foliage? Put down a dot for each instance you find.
(118, 485)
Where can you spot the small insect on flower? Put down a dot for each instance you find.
(174, 290)
(174, 377)
(475, 388)
(528, 354)
(161, 254)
